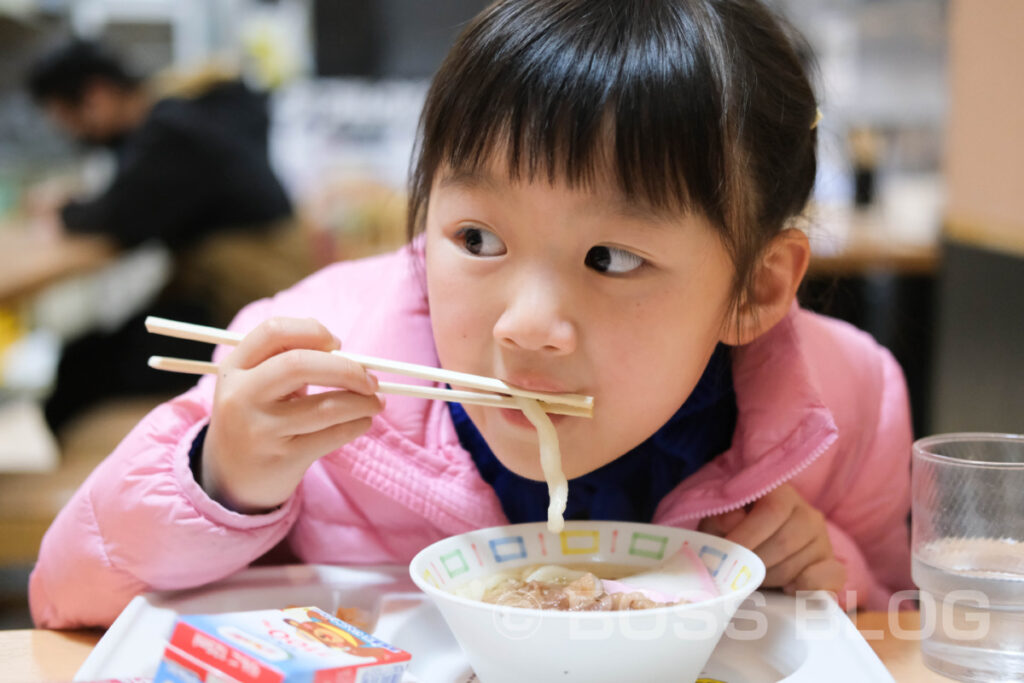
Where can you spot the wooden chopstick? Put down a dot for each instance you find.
(202, 367)
(213, 335)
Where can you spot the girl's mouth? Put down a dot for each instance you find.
(518, 419)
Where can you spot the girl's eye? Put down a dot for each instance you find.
(612, 260)
(480, 242)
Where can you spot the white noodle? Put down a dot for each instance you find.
(550, 461)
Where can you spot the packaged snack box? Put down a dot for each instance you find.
(297, 645)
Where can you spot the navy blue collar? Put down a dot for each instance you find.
(630, 487)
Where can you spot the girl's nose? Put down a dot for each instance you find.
(533, 321)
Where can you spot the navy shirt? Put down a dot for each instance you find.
(630, 487)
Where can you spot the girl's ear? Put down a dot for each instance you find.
(776, 279)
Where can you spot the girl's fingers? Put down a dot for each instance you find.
(277, 335)
(804, 525)
(827, 575)
(316, 412)
(290, 371)
(766, 516)
(309, 447)
(783, 573)
(722, 524)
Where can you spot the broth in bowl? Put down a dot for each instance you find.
(595, 586)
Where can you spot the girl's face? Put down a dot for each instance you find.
(557, 289)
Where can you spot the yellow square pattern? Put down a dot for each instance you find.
(580, 542)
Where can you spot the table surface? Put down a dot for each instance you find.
(848, 242)
(51, 656)
(29, 262)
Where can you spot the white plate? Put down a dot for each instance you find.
(772, 638)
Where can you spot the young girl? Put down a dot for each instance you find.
(604, 190)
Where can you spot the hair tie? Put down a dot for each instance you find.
(817, 119)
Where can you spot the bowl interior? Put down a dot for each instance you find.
(456, 560)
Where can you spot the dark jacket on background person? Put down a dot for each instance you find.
(194, 167)
(196, 177)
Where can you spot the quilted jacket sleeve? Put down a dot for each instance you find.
(869, 530)
(140, 521)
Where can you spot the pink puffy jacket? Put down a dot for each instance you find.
(821, 406)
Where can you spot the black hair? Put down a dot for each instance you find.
(695, 105)
(64, 73)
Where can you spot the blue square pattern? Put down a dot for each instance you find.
(712, 558)
(508, 548)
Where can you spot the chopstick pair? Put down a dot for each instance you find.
(501, 396)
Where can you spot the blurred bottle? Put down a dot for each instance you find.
(865, 146)
(11, 327)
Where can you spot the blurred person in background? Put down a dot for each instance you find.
(192, 174)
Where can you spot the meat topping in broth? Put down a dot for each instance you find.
(555, 587)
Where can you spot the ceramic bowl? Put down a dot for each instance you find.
(515, 645)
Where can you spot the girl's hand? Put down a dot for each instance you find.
(789, 536)
(265, 430)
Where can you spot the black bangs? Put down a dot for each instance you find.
(688, 106)
(574, 89)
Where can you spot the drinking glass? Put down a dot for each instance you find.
(968, 554)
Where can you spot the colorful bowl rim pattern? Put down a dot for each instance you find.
(450, 562)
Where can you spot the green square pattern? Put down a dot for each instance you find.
(454, 558)
(648, 545)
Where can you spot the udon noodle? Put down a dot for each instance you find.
(550, 462)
